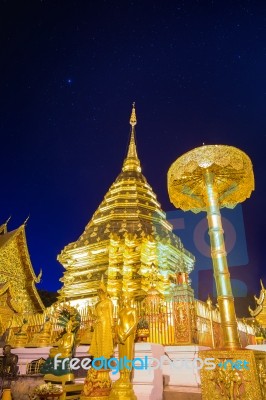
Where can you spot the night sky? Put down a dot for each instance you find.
(70, 71)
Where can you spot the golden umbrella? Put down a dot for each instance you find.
(206, 179)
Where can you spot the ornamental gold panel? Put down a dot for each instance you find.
(227, 382)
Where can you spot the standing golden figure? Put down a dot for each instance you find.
(98, 384)
(126, 330)
(102, 339)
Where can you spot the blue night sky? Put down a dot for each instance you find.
(69, 73)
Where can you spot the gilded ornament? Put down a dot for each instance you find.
(232, 168)
(205, 179)
(228, 382)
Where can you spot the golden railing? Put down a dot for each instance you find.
(174, 322)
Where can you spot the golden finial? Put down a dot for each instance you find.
(209, 302)
(26, 220)
(38, 278)
(133, 118)
(102, 285)
(8, 219)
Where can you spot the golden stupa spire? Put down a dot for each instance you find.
(133, 118)
(132, 161)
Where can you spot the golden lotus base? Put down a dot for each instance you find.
(41, 343)
(20, 340)
(122, 390)
(234, 377)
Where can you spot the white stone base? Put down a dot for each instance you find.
(28, 354)
(179, 367)
(147, 383)
(259, 347)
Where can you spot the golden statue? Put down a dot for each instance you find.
(126, 330)
(102, 339)
(98, 383)
(65, 344)
(43, 337)
(20, 338)
(57, 365)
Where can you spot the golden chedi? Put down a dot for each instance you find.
(126, 235)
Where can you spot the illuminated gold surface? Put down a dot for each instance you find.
(6, 394)
(102, 339)
(221, 272)
(230, 384)
(65, 344)
(43, 337)
(234, 179)
(97, 385)
(18, 293)
(260, 357)
(126, 235)
(20, 339)
(126, 329)
(59, 379)
(209, 304)
(122, 391)
(260, 311)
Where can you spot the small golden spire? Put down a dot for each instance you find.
(133, 118)
(132, 162)
(102, 285)
(26, 220)
(8, 219)
(3, 227)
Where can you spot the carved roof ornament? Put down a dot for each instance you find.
(260, 302)
(16, 268)
(3, 227)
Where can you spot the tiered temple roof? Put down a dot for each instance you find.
(127, 234)
(17, 277)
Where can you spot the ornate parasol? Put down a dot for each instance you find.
(206, 179)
